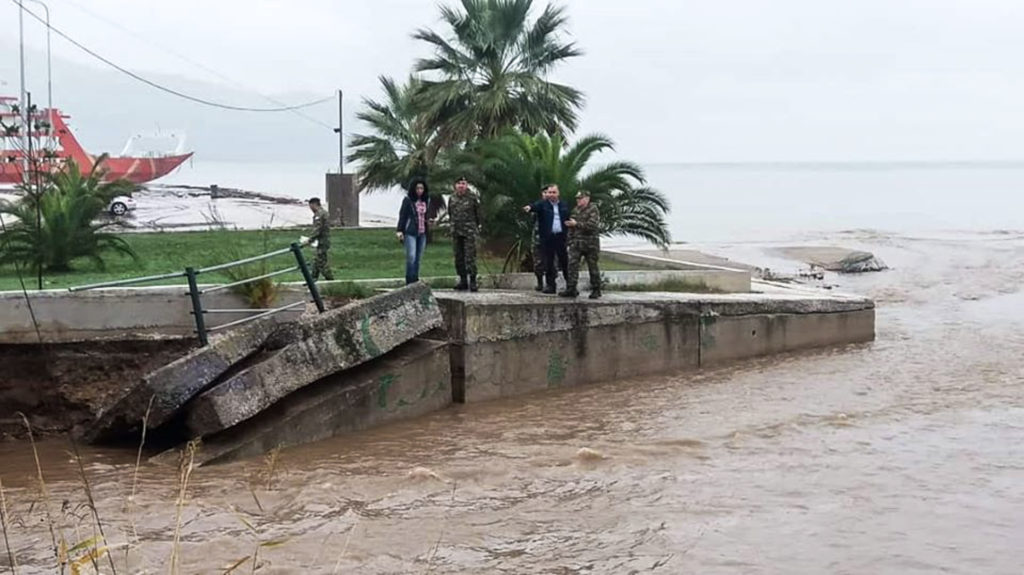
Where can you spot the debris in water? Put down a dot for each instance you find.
(421, 473)
(588, 454)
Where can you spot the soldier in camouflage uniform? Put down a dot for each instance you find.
(538, 255)
(321, 234)
(464, 212)
(584, 242)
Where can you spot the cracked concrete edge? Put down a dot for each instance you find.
(348, 338)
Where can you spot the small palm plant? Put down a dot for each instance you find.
(58, 223)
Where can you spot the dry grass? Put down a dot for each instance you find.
(93, 552)
(130, 503)
(98, 551)
(59, 549)
(437, 544)
(185, 469)
(4, 522)
(344, 548)
(272, 459)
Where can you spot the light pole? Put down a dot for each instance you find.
(341, 134)
(49, 75)
(24, 97)
(49, 78)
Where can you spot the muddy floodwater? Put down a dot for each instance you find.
(901, 456)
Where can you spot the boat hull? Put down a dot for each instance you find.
(135, 170)
(56, 145)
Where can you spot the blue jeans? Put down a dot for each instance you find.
(414, 246)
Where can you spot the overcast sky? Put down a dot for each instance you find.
(669, 80)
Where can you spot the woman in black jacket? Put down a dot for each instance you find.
(412, 228)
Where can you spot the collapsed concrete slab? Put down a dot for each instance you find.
(319, 346)
(174, 384)
(412, 380)
(835, 259)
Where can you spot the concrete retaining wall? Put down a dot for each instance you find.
(725, 339)
(513, 343)
(118, 314)
(115, 314)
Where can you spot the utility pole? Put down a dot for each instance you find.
(35, 194)
(24, 97)
(49, 75)
(341, 134)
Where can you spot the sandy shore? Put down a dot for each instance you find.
(185, 208)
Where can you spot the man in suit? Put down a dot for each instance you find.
(552, 214)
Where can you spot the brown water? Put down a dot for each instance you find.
(902, 456)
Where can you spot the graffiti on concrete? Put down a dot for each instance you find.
(556, 369)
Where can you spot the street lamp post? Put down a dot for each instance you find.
(26, 123)
(49, 75)
(24, 98)
(341, 134)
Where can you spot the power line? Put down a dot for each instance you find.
(185, 58)
(164, 88)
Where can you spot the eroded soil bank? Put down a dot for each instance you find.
(62, 386)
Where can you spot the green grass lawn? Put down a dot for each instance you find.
(355, 254)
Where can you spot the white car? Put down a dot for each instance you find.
(121, 205)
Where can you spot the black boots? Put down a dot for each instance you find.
(570, 291)
(463, 285)
(595, 293)
(540, 282)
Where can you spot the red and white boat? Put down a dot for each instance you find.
(52, 144)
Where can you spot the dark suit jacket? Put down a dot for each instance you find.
(545, 214)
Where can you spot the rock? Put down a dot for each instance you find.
(323, 345)
(834, 259)
(858, 262)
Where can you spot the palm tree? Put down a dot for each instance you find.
(66, 227)
(403, 144)
(490, 73)
(510, 171)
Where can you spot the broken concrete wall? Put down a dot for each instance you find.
(318, 346)
(174, 384)
(412, 380)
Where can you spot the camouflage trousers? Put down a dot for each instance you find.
(465, 255)
(321, 266)
(590, 252)
(538, 258)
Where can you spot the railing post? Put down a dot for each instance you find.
(197, 305)
(313, 291)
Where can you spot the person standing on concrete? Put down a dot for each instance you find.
(320, 238)
(538, 253)
(552, 214)
(584, 242)
(464, 212)
(413, 224)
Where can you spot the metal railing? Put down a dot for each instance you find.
(195, 294)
